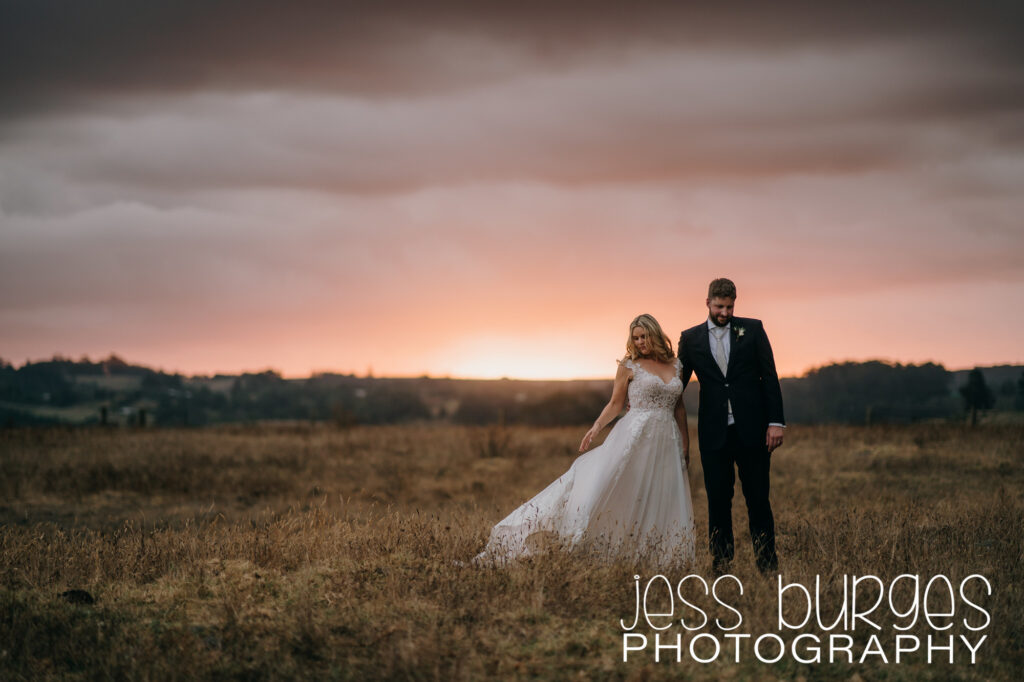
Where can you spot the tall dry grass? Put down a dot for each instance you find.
(316, 553)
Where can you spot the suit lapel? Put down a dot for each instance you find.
(734, 338)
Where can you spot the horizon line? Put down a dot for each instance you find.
(427, 375)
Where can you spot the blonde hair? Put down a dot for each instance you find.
(661, 347)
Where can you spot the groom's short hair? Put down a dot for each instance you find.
(722, 288)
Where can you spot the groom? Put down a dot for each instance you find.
(740, 421)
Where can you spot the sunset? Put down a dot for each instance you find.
(462, 193)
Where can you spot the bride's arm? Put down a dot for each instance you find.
(684, 429)
(613, 408)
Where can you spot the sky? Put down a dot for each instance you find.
(497, 189)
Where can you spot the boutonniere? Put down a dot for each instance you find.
(739, 331)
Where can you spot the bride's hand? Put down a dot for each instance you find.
(587, 437)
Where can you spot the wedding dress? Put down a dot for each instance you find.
(630, 496)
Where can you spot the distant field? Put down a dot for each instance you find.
(76, 414)
(305, 551)
(113, 382)
(217, 384)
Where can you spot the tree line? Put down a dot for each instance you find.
(61, 390)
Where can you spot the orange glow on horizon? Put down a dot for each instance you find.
(569, 338)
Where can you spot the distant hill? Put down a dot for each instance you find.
(995, 376)
(113, 391)
(1006, 382)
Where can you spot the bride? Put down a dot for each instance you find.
(629, 496)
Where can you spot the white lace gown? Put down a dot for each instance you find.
(630, 496)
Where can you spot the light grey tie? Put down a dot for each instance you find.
(720, 355)
(722, 359)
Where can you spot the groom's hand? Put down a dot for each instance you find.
(774, 437)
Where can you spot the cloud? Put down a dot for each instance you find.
(518, 244)
(199, 178)
(53, 51)
(656, 117)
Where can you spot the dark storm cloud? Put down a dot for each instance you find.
(52, 51)
(657, 116)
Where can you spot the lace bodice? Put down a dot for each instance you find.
(648, 392)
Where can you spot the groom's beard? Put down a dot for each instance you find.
(716, 322)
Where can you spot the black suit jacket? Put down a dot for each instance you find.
(752, 384)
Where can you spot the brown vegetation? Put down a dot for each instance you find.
(313, 552)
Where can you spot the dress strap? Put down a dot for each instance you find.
(679, 367)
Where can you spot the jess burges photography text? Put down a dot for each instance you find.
(851, 619)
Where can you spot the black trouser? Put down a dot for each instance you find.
(719, 481)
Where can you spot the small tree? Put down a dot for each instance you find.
(977, 395)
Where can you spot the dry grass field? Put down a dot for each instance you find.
(310, 552)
